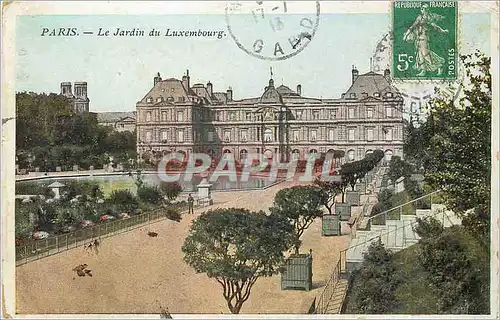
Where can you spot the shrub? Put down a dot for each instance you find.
(150, 194)
(375, 282)
(428, 227)
(123, 200)
(171, 190)
(173, 214)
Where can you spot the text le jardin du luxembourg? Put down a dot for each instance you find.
(134, 32)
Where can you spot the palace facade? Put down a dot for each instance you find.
(177, 116)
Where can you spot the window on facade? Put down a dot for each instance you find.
(351, 113)
(227, 135)
(231, 116)
(248, 116)
(182, 99)
(333, 114)
(164, 135)
(180, 116)
(159, 99)
(369, 113)
(352, 95)
(351, 133)
(313, 135)
(149, 136)
(180, 135)
(315, 114)
(243, 135)
(268, 135)
(388, 134)
(148, 116)
(164, 116)
(218, 116)
(210, 136)
(296, 135)
(351, 155)
(369, 134)
(331, 135)
(149, 100)
(298, 115)
(388, 112)
(376, 94)
(258, 134)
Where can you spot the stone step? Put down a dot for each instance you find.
(422, 213)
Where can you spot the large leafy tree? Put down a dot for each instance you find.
(236, 247)
(460, 147)
(300, 205)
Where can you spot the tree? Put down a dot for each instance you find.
(330, 190)
(460, 147)
(300, 205)
(236, 247)
(398, 168)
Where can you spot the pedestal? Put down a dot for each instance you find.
(353, 198)
(343, 210)
(331, 225)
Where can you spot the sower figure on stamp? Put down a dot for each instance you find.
(426, 60)
(190, 204)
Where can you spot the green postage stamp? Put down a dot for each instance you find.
(425, 45)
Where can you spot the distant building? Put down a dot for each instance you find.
(120, 121)
(177, 116)
(79, 100)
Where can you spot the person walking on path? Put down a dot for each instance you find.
(190, 204)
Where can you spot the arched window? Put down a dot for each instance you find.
(351, 155)
(313, 151)
(243, 154)
(268, 135)
(268, 153)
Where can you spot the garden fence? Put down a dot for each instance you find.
(37, 249)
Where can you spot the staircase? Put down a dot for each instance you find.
(395, 234)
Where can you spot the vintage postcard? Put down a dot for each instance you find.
(272, 159)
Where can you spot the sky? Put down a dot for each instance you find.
(120, 70)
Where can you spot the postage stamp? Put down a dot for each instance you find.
(424, 43)
(262, 158)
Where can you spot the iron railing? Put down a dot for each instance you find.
(322, 303)
(38, 249)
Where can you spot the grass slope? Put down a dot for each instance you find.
(414, 295)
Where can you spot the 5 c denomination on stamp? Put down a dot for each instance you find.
(425, 45)
(272, 30)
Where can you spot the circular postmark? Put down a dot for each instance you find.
(416, 93)
(272, 30)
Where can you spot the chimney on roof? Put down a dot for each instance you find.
(355, 73)
(156, 79)
(66, 88)
(210, 89)
(299, 89)
(185, 80)
(229, 94)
